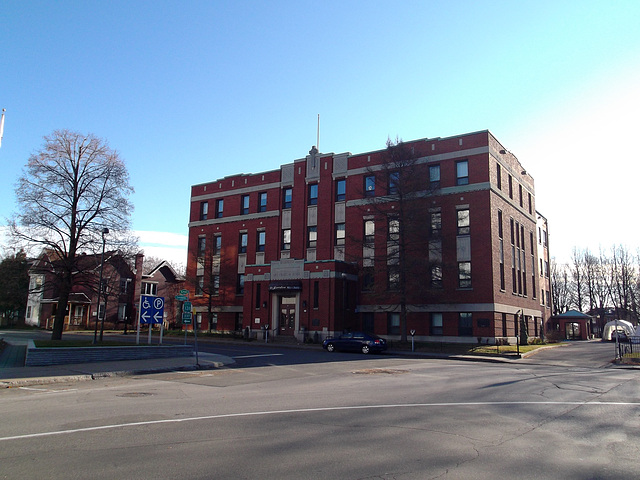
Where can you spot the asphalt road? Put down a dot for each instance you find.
(287, 414)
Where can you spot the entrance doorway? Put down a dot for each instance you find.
(287, 316)
(572, 331)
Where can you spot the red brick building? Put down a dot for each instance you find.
(305, 249)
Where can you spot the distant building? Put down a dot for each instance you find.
(121, 287)
(298, 250)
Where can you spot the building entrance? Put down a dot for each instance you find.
(287, 321)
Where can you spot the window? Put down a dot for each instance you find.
(244, 240)
(436, 324)
(369, 186)
(340, 235)
(464, 274)
(148, 288)
(369, 232)
(499, 223)
(313, 194)
(548, 296)
(520, 193)
(219, 208)
(462, 172)
(394, 182)
(199, 284)
(530, 205)
(436, 276)
(393, 277)
(240, 285)
(393, 229)
(312, 237)
(510, 187)
(316, 294)
(465, 325)
(463, 222)
(435, 227)
(341, 190)
(217, 245)
(367, 279)
(202, 246)
(286, 239)
(262, 202)
(261, 241)
(287, 197)
(204, 209)
(393, 324)
(245, 205)
(434, 176)
(216, 284)
(258, 295)
(499, 175)
(124, 285)
(28, 311)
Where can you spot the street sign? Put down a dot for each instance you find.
(151, 309)
(184, 292)
(181, 298)
(186, 307)
(186, 318)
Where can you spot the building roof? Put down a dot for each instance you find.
(573, 314)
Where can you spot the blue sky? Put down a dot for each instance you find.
(192, 91)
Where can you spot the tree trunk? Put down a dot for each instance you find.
(63, 301)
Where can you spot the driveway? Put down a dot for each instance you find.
(580, 354)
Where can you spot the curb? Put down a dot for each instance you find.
(24, 382)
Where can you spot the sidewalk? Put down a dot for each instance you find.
(17, 376)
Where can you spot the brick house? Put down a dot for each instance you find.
(297, 250)
(122, 284)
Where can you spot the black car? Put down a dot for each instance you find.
(356, 342)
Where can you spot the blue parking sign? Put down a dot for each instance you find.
(151, 309)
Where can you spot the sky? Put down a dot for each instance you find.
(191, 91)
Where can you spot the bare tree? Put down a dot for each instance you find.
(401, 253)
(73, 189)
(578, 275)
(623, 283)
(560, 287)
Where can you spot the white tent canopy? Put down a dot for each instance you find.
(609, 331)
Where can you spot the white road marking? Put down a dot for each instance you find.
(261, 355)
(307, 410)
(48, 390)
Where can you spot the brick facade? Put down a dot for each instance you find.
(301, 264)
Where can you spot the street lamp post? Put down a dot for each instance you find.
(95, 333)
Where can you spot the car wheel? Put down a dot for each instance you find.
(331, 347)
(365, 349)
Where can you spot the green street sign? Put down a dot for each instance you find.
(182, 298)
(186, 318)
(184, 292)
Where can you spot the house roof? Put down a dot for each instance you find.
(167, 272)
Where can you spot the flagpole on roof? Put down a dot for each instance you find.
(2, 126)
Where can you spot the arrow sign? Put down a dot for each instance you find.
(151, 309)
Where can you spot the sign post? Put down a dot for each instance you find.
(187, 318)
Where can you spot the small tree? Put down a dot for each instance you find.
(71, 190)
